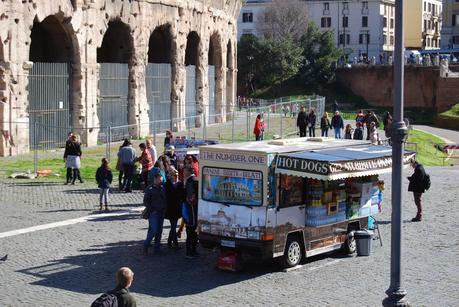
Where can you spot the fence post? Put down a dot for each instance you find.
(232, 127)
(35, 152)
(281, 126)
(268, 125)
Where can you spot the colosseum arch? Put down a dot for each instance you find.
(191, 63)
(53, 89)
(215, 55)
(158, 80)
(3, 100)
(115, 58)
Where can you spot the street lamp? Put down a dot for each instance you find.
(396, 293)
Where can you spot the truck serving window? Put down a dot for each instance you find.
(232, 186)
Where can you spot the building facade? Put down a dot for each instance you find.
(247, 20)
(423, 23)
(82, 65)
(450, 24)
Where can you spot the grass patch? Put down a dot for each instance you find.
(453, 112)
(427, 153)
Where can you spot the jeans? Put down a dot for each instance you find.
(155, 230)
(337, 133)
(312, 131)
(128, 170)
(325, 132)
(173, 232)
(191, 240)
(417, 201)
(103, 196)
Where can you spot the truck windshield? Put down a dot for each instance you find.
(232, 186)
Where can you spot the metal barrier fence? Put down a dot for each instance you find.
(236, 126)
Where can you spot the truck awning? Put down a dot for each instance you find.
(339, 163)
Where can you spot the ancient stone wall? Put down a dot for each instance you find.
(423, 86)
(79, 27)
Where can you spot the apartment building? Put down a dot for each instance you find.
(423, 24)
(450, 24)
(247, 20)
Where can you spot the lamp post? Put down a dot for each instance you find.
(396, 293)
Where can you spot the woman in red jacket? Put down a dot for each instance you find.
(257, 130)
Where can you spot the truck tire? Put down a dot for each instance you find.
(350, 245)
(292, 253)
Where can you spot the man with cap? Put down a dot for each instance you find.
(155, 202)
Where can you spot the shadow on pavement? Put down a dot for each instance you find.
(35, 183)
(168, 274)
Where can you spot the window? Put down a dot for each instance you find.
(364, 21)
(341, 39)
(392, 23)
(345, 21)
(326, 6)
(345, 5)
(429, 25)
(455, 20)
(425, 6)
(247, 17)
(429, 7)
(384, 22)
(365, 5)
(425, 25)
(385, 39)
(232, 186)
(325, 22)
(364, 38)
(391, 39)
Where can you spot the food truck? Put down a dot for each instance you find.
(289, 199)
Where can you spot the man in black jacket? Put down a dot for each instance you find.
(302, 121)
(191, 211)
(155, 201)
(417, 186)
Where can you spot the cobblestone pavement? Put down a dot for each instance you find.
(72, 265)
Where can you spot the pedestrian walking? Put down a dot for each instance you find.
(120, 296)
(155, 203)
(312, 123)
(104, 179)
(419, 183)
(358, 132)
(72, 158)
(174, 196)
(190, 211)
(146, 161)
(325, 124)
(127, 156)
(302, 122)
(348, 132)
(119, 168)
(257, 128)
(295, 109)
(337, 124)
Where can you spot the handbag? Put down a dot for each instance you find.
(145, 214)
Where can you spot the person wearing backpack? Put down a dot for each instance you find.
(419, 183)
(120, 296)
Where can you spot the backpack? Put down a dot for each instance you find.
(426, 182)
(358, 134)
(106, 300)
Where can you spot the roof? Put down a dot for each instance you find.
(339, 163)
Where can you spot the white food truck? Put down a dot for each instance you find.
(289, 198)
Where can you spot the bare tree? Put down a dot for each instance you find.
(282, 19)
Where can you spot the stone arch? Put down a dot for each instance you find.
(55, 78)
(117, 44)
(192, 49)
(215, 59)
(160, 45)
(51, 42)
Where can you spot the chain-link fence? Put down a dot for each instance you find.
(45, 150)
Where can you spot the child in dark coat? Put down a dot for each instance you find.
(104, 179)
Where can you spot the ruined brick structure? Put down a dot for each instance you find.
(81, 31)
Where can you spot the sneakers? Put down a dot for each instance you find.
(416, 219)
(100, 207)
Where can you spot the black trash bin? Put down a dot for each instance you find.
(363, 242)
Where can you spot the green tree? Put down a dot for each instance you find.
(281, 60)
(248, 61)
(320, 56)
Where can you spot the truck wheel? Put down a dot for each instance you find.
(292, 254)
(350, 245)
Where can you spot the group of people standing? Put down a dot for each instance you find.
(308, 121)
